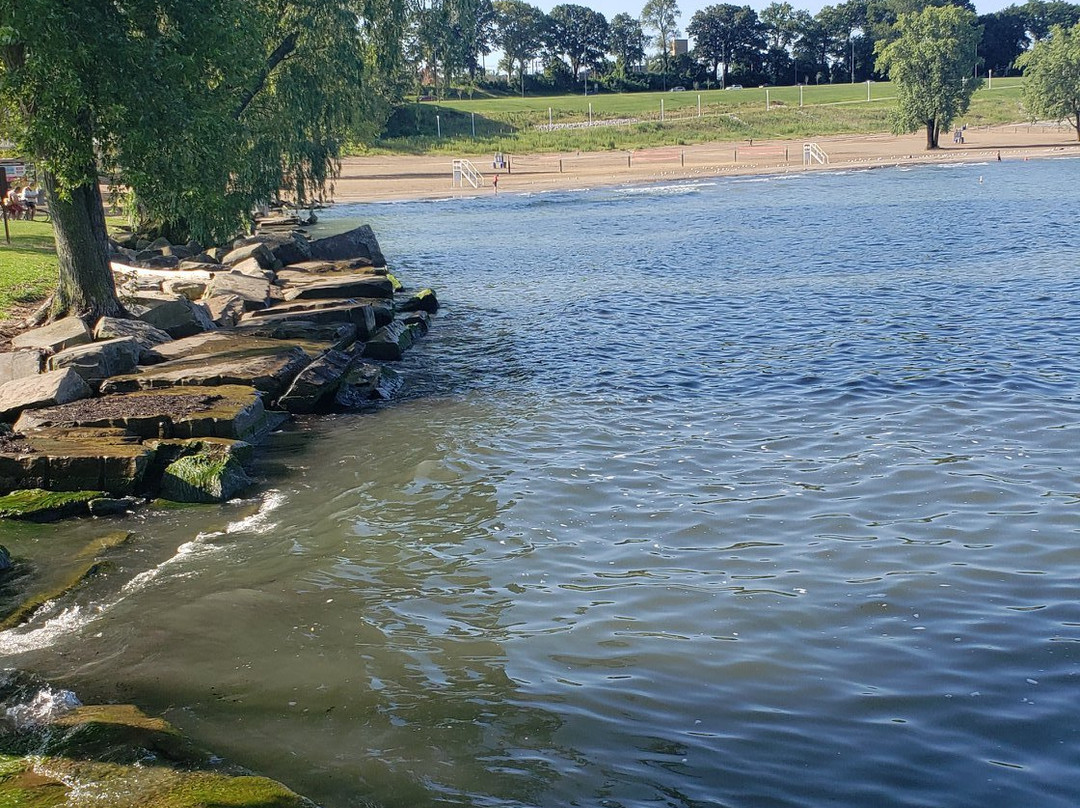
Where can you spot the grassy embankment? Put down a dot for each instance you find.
(509, 124)
(27, 265)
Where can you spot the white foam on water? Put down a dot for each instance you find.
(22, 639)
(46, 705)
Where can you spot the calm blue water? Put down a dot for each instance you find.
(754, 493)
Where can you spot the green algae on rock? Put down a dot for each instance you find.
(38, 505)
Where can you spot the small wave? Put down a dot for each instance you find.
(46, 705)
(661, 190)
(20, 640)
(259, 522)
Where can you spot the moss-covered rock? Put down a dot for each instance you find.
(213, 472)
(118, 756)
(37, 505)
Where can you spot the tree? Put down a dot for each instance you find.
(930, 64)
(1004, 39)
(662, 17)
(726, 34)
(578, 33)
(781, 28)
(1042, 15)
(626, 42)
(1052, 76)
(518, 29)
(200, 106)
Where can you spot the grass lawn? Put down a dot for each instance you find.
(28, 271)
(641, 120)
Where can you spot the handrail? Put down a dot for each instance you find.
(812, 152)
(465, 171)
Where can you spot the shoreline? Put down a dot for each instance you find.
(388, 178)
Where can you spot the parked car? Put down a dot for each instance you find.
(678, 89)
(733, 87)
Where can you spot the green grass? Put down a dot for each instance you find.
(511, 123)
(28, 269)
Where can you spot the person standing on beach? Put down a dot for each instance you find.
(495, 183)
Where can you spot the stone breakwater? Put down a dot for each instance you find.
(223, 345)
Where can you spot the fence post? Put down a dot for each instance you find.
(549, 117)
(661, 109)
(560, 165)
(682, 159)
(438, 127)
(736, 155)
(699, 105)
(474, 125)
(766, 99)
(785, 154)
(628, 159)
(590, 113)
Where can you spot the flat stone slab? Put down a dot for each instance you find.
(354, 285)
(174, 314)
(391, 342)
(267, 365)
(254, 291)
(146, 335)
(259, 251)
(76, 458)
(424, 300)
(228, 411)
(43, 390)
(362, 315)
(335, 335)
(99, 360)
(65, 333)
(20, 364)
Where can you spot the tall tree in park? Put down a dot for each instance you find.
(518, 30)
(726, 34)
(662, 16)
(781, 26)
(1004, 39)
(200, 106)
(1052, 76)
(626, 42)
(578, 33)
(930, 64)
(1042, 15)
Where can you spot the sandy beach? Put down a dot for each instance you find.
(390, 177)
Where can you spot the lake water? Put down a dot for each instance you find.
(750, 492)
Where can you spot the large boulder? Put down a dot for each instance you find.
(39, 505)
(174, 314)
(146, 335)
(20, 364)
(363, 383)
(267, 365)
(207, 470)
(99, 360)
(287, 248)
(316, 384)
(259, 251)
(391, 343)
(357, 243)
(335, 335)
(424, 300)
(356, 285)
(254, 291)
(43, 390)
(56, 336)
(75, 458)
(189, 287)
(362, 315)
(226, 310)
(228, 411)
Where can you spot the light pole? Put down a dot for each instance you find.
(852, 59)
(586, 67)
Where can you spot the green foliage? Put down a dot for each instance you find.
(1052, 76)
(200, 106)
(931, 63)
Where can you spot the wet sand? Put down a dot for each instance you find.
(390, 177)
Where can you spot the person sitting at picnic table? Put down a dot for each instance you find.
(13, 202)
(30, 196)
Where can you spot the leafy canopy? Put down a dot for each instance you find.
(1052, 76)
(932, 62)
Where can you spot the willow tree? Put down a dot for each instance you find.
(201, 107)
(930, 64)
(1052, 76)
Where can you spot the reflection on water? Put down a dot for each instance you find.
(733, 494)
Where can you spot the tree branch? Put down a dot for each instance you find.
(280, 54)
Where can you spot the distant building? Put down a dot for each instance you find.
(680, 47)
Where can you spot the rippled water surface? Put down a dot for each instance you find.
(736, 493)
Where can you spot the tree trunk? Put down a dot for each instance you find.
(86, 286)
(931, 135)
(1077, 125)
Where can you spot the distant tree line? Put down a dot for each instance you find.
(447, 43)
